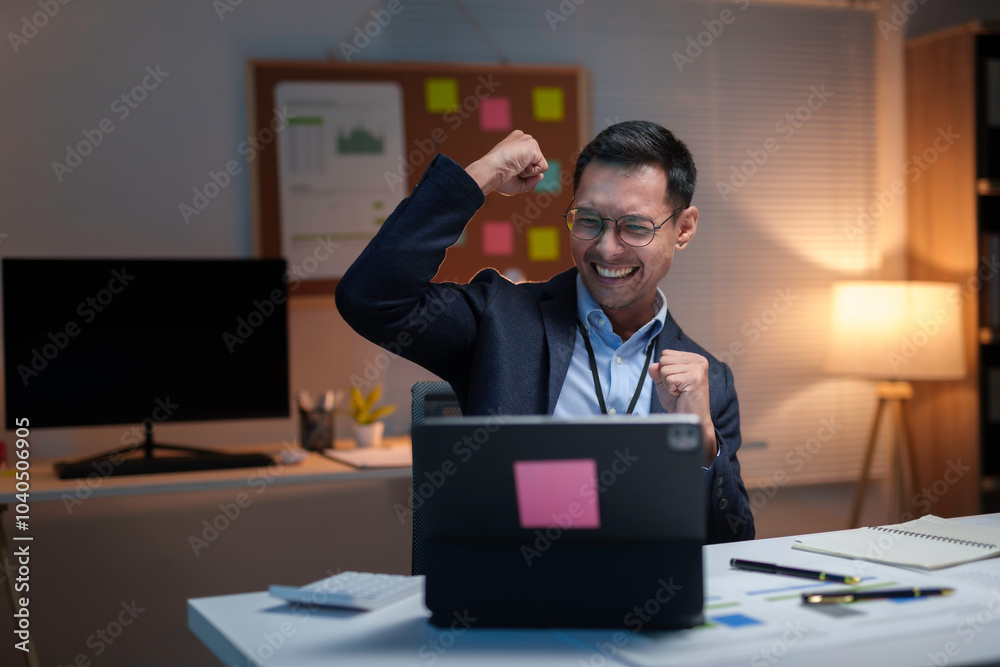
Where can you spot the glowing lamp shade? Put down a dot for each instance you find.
(896, 330)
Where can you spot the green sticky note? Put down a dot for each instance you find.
(547, 103)
(441, 95)
(543, 244)
(550, 179)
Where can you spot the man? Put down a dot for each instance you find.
(585, 341)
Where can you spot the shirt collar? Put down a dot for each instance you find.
(590, 313)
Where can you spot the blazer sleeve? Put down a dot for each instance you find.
(387, 295)
(729, 515)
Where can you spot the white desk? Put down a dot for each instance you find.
(256, 629)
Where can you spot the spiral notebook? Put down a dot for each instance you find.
(928, 543)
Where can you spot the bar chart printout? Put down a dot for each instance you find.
(340, 142)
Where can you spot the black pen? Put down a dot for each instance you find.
(771, 568)
(888, 594)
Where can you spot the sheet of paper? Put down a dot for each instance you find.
(373, 457)
(341, 141)
(754, 618)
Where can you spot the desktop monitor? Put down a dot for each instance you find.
(143, 341)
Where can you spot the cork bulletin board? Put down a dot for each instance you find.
(339, 145)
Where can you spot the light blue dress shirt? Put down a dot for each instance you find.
(619, 365)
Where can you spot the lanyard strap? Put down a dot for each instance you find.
(597, 379)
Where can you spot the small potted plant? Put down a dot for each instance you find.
(368, 428)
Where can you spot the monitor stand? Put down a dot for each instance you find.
(118, 462)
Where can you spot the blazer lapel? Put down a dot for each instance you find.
(559, 318)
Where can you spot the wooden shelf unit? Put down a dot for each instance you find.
(951, 174)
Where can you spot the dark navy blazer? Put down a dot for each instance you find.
(505, 348)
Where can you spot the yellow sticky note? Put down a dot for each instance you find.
(547, 103)
(543, 244)
(441, 95)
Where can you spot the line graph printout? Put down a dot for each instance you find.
(341, 140)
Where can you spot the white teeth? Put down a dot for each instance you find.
(608, 273)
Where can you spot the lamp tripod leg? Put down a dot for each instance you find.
(904, 452)
(859, 492)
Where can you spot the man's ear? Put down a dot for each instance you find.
(687, 225)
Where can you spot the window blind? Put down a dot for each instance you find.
(778, 106)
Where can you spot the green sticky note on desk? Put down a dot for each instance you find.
(441, 94)
(543, 244)
(547, 103)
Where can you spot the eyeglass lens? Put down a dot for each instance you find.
(586, 225)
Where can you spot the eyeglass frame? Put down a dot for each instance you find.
(618, 232)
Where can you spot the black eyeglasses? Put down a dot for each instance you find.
(634, 230)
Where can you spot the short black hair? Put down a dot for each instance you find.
(637, 143)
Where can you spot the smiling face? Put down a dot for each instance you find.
(622, 278)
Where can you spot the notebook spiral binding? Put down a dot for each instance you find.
(886, 529)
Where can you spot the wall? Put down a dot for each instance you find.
(123, 200)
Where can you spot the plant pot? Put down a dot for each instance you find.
(369, 435)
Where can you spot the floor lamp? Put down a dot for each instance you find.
(895, 332)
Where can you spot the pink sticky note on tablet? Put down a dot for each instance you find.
(560, 493)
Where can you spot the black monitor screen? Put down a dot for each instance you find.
(122, 341)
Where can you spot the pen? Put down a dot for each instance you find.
(771, 568)
(849, 596)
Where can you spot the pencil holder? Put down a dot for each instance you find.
(316, 429)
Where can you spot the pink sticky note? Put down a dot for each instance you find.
(494, 113)
(498, 238)
(561, 493)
